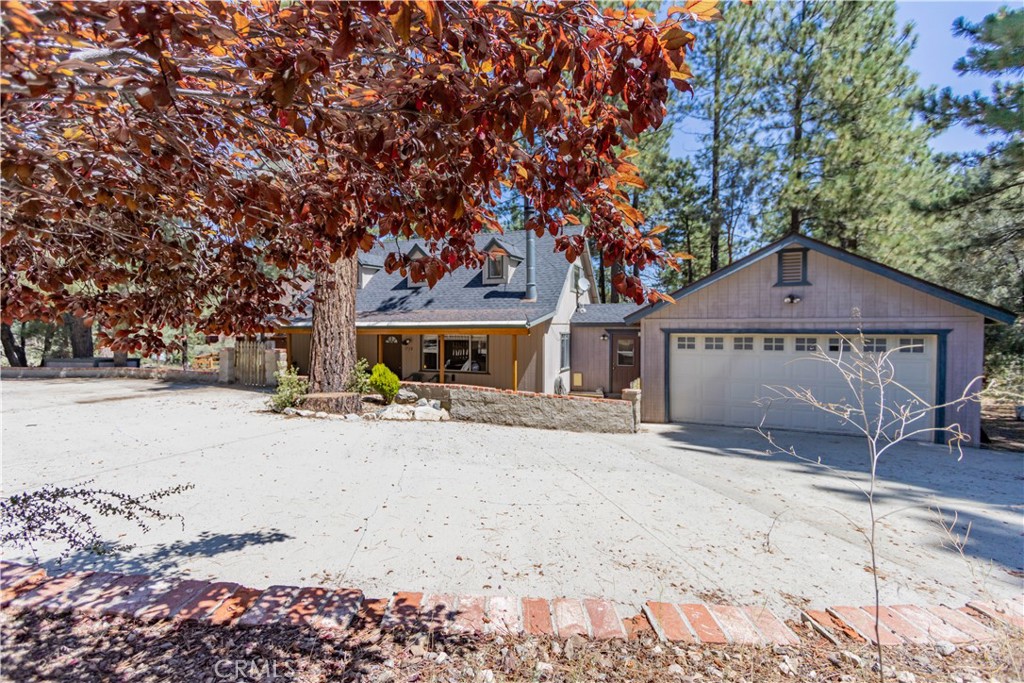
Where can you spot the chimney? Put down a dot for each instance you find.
(531, 261)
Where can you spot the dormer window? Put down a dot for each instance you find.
(495, 271)
(416, 253)
(502, 259)
(792, 268)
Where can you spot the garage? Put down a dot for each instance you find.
(717, 377)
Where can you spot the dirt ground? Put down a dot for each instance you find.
(1002, 426)
(74, 648)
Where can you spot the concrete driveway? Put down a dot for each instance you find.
(673, 513)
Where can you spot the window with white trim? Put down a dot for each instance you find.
(495, 270)
(565, 349)
(806, 343)
(835, 344)
(875, 344)
(774, 343)
(686, 343)
(714, 343)
(911, 345)
(742, 343)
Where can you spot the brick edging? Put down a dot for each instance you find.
(230, 604)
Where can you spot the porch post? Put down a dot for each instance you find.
(440, 357)
(380, 348)
(288, 351)
(515, 362)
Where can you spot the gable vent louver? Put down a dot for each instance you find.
(792, 266)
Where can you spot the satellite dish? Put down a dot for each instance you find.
(583, 284)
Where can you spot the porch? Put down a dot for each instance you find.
(501, 358)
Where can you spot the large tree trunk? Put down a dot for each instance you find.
(15, 354)
(333, 350)
(613, 294)
(47, 343)
(80, 336)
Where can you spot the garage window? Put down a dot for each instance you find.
(774, 343)
(837, 343)
(743, 343)
(686, 343)
(911, 345)
(714, 343)
(806, 343)
(874, 344)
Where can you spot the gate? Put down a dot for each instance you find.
(250, 363)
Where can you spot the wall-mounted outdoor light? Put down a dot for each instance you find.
(604, 336)
(791, 299)
(406, 341)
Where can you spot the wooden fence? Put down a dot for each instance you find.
(250, 363)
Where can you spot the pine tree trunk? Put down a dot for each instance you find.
(80, 336)
(333, 350)
(15, 354)
(600, 282)
(715, 231)
(796, 148)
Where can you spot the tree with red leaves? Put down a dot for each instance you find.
(187, 163)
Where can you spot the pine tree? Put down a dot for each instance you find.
(721, 107)
(836, 128)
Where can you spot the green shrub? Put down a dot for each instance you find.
(385, 382)
(290, 390)
(359, 379)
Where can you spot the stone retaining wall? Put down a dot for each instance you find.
(162, 374)
(528, 409)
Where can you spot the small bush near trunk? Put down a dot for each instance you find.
(290, 390)
(385, 382)
(359, 378)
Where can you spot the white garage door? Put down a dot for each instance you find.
(716, 378)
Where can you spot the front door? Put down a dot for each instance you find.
(392, 353)
(625, 359)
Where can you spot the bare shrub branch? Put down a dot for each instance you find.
(65, 515)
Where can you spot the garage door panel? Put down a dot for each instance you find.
(722, 386)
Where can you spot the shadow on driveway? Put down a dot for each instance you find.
(165, 559)
(919, 476)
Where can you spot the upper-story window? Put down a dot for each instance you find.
(495, 269)
(792, 267)
(416, 253)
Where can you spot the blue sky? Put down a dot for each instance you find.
(933, 58)
(936, 51)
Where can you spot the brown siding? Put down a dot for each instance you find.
(589, 358)
(841, 296)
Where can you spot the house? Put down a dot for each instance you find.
(505, 325)
(704, 358)
(709, 355)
